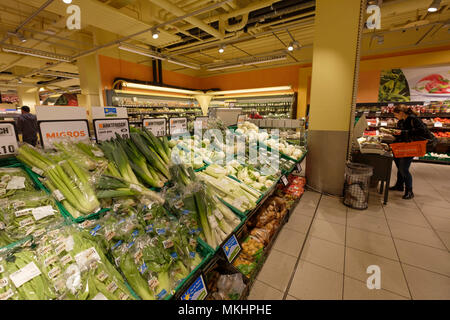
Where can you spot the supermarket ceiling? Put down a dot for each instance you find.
(38, 48)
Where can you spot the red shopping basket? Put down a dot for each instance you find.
(409, 149)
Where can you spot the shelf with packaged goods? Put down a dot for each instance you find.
(379, 114)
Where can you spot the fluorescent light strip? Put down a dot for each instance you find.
(142, 53)
(35, 53)
(266, 89)
(157, 88)
(226, 67)
(248, 63)
(59, 74)
(183, 64)
(264, 61)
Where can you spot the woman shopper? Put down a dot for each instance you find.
(410, 128)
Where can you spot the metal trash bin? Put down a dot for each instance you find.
(356, 185)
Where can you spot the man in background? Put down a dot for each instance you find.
(27, 126)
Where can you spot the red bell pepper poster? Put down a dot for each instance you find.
(415, 84)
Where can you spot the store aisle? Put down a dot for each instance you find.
(325, 248)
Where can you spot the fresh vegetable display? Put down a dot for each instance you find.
(77, 267)
(27, 215)
(197, 204)
(14, 180)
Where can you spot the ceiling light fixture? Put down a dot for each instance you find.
(156, 88)
(266, 89)
(291, 47)
(67, 1)
(35, 53)
(41, 89)
(19, 81)
(434, 6)
(60, 74)
(155, 34)
(18, 35)
(221, 49)
(183, 64)
(154, 55)
(141, 51)
(248, 62)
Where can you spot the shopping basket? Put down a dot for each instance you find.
(409, 149)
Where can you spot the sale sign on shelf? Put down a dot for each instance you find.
(178, 125)
(8, 139)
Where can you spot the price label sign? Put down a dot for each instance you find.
(231, 248)
(201, 120)
(299, 167)
(75, 130)
(390, 104)
(197, 290)
(285, 180)
(438, 124)
(177, 125)
(8, 139)
(383, 123)
(156, 125)
(106, 129)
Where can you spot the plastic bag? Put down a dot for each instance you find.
(13, 181)
(30, 215)
(77, 267)
(231, 286)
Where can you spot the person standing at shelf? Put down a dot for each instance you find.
(410, 128)
(27, 125)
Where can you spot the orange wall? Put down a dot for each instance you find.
(369, 82)
(272, 77)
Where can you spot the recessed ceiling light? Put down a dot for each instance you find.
(41, 89)
(221, 49)
(434, 6)
(67, 1)
(155, 34)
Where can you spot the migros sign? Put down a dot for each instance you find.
(68, 133)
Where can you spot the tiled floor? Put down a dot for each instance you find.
(323, 252)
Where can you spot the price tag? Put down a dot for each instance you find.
(383, 123)
(231, 248)
(106, 129)
(241, 118)
(390, 104)
(156, 125)
(299, 167)
(197, 290)
(438, 124)
(177, 125)
(8, 139)
(285, 180)
(203, 121)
